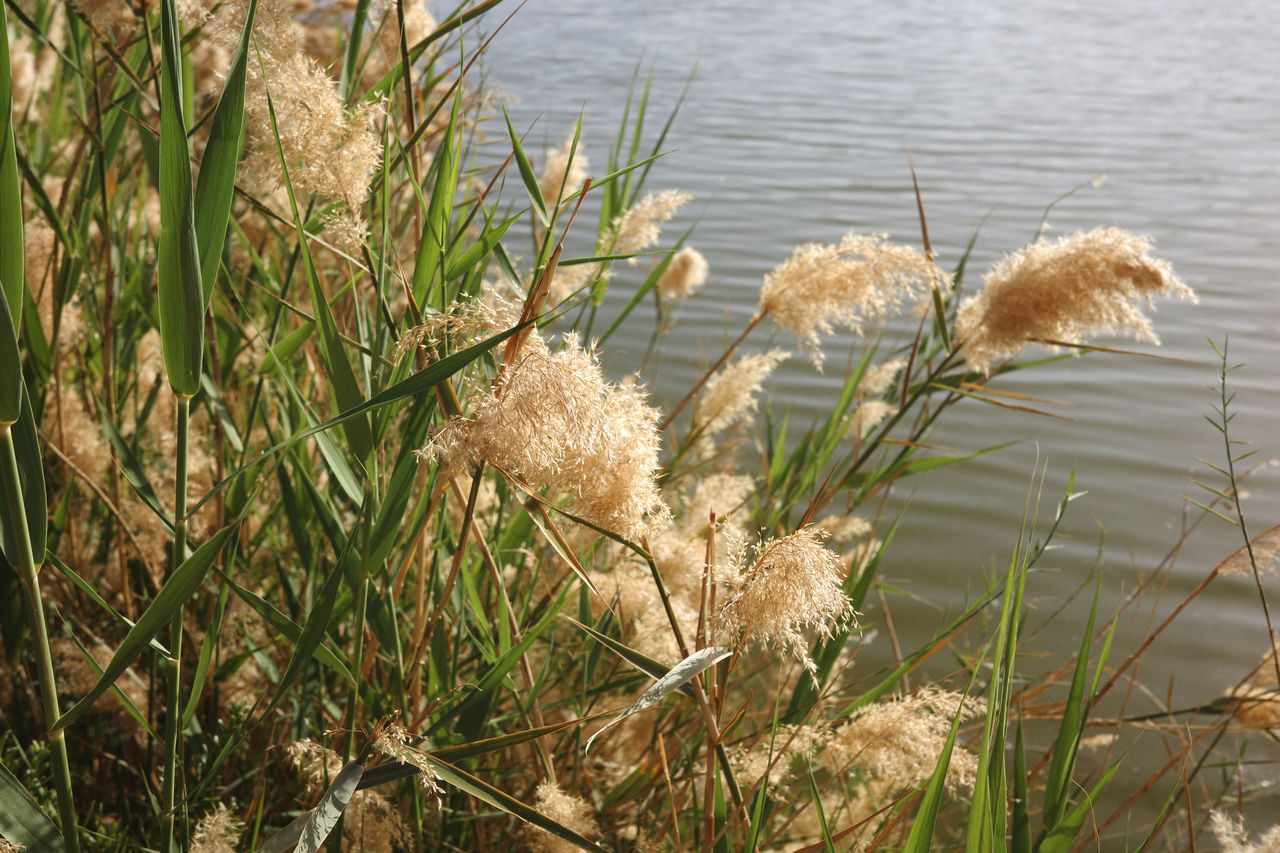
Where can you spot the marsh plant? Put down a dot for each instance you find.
(324, 526)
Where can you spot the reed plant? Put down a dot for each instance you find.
(332, 532)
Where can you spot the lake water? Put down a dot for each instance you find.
(796, 129)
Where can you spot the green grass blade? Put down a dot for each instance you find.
(434, 240)
(527, 174)
(180, 586)
(11, 382)
(920, 839)
(419, 383)
(11, 253)
(21, 818)
(179, 293)
(216, 185)
(669, 683)
(1058, 781)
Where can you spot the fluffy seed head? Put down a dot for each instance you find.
(637, 228)
(1088, 283)
(685, 274)
(794, 584)
(566, 809)
(861, 278)
(564, 172)
(554, 421)
(1233, 837)
(731, 393)
(897, 743)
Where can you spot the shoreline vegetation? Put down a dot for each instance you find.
(323, 527)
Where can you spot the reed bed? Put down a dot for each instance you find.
(324, 527)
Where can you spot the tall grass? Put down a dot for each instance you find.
(333, 533)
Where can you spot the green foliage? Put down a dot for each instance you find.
(383, 548)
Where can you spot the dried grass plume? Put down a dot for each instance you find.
(860, 278)
(1085, 284)
(793, 585)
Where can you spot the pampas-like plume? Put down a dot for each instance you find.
(554, 421)
(731, 393)
(566, 810)
(793, 585)
(861, 278)
(637, 228)
(897, 743)
(685, 274)
(1085, 284)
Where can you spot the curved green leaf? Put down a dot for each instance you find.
(180, 586)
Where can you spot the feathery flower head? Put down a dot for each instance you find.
(564, 172)
(218, 831)
(637, 228)
(1088, 283)
(556, 422)
(731, 393)
(1232, 837)
(858, 279)
(565, 809)
(897, 742)
(685, 274)
(794, 584)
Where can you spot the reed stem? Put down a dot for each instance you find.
(29, 572)
(173, 701)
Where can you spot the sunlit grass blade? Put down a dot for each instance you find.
(670, 682)
(433, 243)
(179, 293)
(527, 175)
(181, 585)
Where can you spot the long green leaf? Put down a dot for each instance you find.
(180, 586)
(215, 188)
(433, 243)
(21, 818)
(1057, 783)
(679, 674)
(179, 293)
(11, 253)
(920, 839)
(527, 174)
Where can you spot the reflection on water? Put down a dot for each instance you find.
(796, 130)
